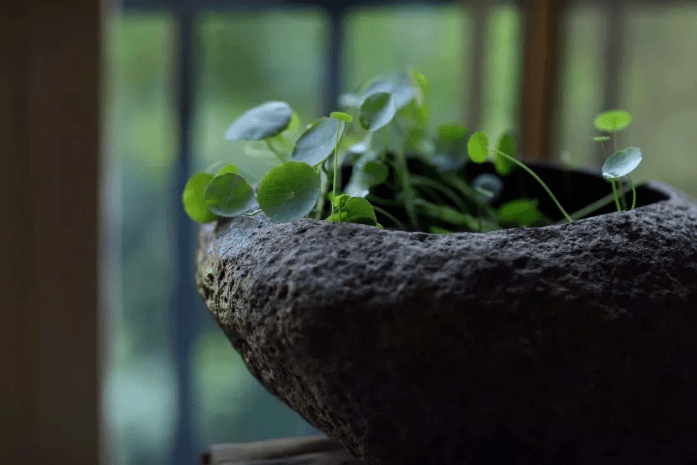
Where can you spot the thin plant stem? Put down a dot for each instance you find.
(615, 195)
(336, 170)
(631, 183)
(278, 155)
(542, 183)
(424, 181)
(588, 209)
(407, 190)
(324, 176)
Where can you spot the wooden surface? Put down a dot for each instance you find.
(49, 146)
(312, 450)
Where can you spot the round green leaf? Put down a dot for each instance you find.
(289, 191)
(621, 163)
(317, 142)
(341, 116)
(613, 120)
(478, 147)
(228, 195)
(260, 122)
(193, 198)
(377, 111)
(507, 145)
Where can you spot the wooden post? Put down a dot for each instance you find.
(49, 141)
(543, 45)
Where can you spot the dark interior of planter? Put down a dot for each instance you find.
(574, 189)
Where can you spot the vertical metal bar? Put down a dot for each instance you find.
(183, 309)
(335, 42)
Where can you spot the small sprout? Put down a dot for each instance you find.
(602, 138)
(353, 210)
(289, 191)
(489, 185)
(341, 116)
(613, 120)
(377, 111)
(228, 195)
(193, 198)
(317, 142)
(261, 122)
(478, 147)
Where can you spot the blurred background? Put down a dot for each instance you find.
(175, 74)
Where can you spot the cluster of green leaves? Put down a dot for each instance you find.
(398, 168)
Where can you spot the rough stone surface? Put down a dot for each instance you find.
(572, 344)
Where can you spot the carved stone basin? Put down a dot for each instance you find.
(565, 344)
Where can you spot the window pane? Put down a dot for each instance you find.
(657, 84)
(248, 59)
(139, 398)
(503, 61)
(659, 87)
(430, 39)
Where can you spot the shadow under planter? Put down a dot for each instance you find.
(571, 344)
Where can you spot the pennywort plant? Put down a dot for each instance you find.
(379, 157)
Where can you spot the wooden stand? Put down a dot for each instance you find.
(311, 450)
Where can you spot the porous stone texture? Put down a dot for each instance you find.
(573, 344)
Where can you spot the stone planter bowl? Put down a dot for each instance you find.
(569, 344)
